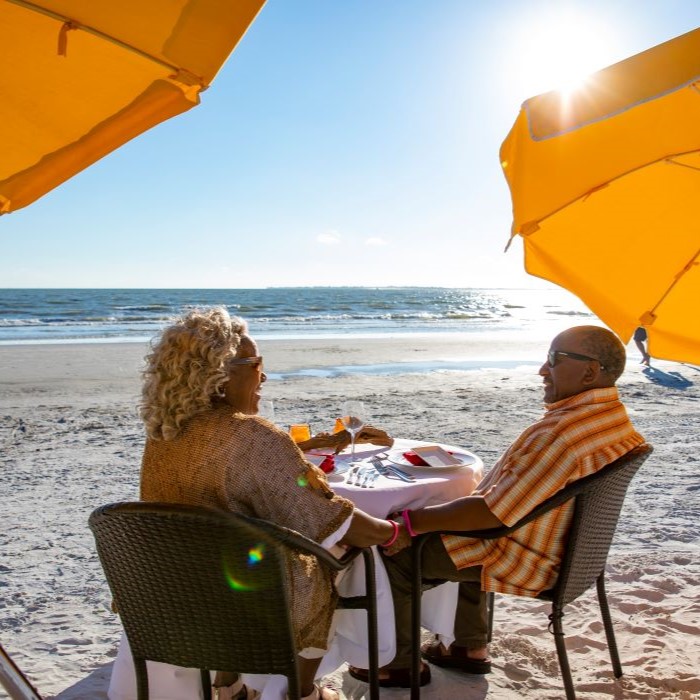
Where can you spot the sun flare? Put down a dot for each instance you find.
(559, 50)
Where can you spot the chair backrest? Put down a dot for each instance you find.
(197, 587)
(596, 513)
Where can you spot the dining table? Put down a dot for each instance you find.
(379, 494)
(386, 495)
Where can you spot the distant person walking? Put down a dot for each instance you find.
(640, 337)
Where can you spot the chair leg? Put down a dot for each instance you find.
(205, 677)
(416, 551)
(558, 632)
(607, 623)
(372, 637)
(491, 602)
(141, 678)
(294, 685)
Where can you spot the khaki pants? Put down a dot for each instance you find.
(471, 624)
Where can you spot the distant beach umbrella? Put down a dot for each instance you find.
(605, 184)
(79, 79)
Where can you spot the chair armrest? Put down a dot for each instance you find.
(566, 494)
(493, 533)
(295, 540)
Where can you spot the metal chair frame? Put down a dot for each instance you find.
(598, 502)
(186, 596)
(14, 681)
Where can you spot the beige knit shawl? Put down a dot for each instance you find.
(246, 465)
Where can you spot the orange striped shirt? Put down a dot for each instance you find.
(576, 437)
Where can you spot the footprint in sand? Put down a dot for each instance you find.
(648, 594)
(516, 674)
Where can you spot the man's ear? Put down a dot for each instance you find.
(591, 375)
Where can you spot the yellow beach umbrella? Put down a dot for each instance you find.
(605, 184)
(79, 78)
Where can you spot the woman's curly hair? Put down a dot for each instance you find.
(187, 367)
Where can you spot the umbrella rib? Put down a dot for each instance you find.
(650, 316)
(670, 161)
(181, 74)
(529, 227)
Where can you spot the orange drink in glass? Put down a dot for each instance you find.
(339, 426)
(300, 432)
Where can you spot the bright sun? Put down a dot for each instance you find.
(558, 50)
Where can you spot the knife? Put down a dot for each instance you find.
(381, 468)
(400, 473)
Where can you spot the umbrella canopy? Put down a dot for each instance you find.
(605, 184)
(80, 78)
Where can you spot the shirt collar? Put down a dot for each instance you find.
(591, 396)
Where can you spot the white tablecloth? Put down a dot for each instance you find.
(350, 642)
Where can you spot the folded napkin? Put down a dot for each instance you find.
(324, 461)
(417, 460)
(328, 464)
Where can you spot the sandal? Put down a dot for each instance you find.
(456, 657)
(321, 693)
(235, 691)
(397, 677)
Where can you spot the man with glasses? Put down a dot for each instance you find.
(584, 428)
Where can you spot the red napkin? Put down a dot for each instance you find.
(328, 464)
(417, 460)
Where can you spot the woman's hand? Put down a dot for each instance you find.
(368, 434)
(402, 541)
(319, 442)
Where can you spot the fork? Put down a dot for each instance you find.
(367, 477)
(359, 475)
(373, 475)
(352, 475)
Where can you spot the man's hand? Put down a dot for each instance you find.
(401, 542)
(339, 441)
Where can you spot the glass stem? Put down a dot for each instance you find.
(352, 446)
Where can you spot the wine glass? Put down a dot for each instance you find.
(354, 415)
(266, 409)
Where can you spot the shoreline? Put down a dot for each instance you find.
(283, 356)
(540, 329)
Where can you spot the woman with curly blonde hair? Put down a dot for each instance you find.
(187, 367)
(206, 446)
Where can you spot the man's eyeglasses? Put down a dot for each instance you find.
(257, 360)
(553, 354)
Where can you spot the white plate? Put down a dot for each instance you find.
(396, 457)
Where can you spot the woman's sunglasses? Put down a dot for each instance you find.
(257, 360)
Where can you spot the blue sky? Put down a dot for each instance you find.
(344, 142)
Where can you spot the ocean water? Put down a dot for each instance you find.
(124, 315)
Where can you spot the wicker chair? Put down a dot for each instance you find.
(599, 498)
(203, 588)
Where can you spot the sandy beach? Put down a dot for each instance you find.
(71, 440)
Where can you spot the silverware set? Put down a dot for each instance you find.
(365, 474)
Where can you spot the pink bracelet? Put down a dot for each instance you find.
(392, 539)
(407, 523)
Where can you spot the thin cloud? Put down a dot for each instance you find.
(375, 242)
(328, 238)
